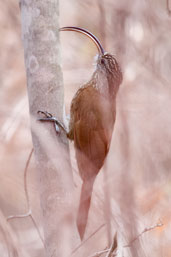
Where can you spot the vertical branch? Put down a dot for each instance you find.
(118, 34)
(10, 239)
(107, 202)
(127, 203)
(168, 7)
(126, 193)
(102, 23)
(107, 206)
(45, 91)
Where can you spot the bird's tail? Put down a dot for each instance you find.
(84, 206)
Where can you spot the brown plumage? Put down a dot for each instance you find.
(92, 118)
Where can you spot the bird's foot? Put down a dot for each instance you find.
(49, 117)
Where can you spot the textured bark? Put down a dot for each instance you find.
(45, 91)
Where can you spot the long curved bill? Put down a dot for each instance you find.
(88, 34)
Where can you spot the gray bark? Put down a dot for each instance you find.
(45, 91)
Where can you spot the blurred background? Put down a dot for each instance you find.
(134, 191)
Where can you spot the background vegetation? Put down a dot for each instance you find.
(134, 192)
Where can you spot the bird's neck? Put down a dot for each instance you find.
(106, 85)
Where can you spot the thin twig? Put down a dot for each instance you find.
(144, 231)
(98, 254)
(19, 216)
(82, 243)
(25, 179)
(38, 231)
(113, 247)
(110, 251)
(29, 212)
(13, 245)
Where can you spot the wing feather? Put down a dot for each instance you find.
(91, 126)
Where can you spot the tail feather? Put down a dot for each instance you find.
(84, 206)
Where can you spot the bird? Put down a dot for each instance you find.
(91, 124)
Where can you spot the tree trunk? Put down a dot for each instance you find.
(45, 91)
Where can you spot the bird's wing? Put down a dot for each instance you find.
(93, 121)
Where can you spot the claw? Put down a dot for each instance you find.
(47, 114)
(49, 117)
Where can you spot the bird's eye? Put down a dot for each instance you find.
(102, 61)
